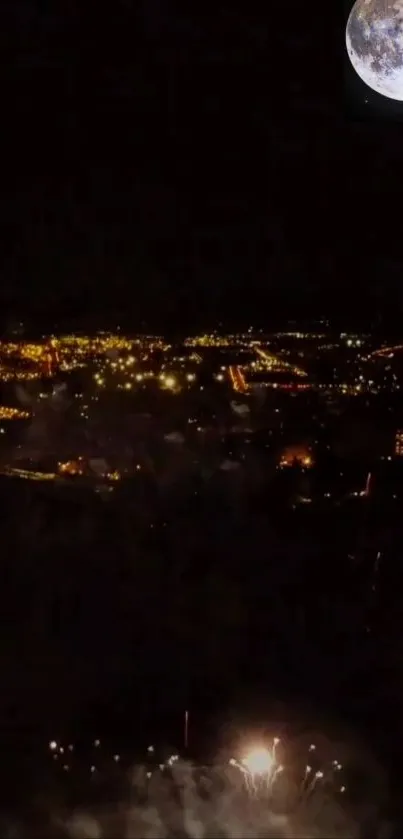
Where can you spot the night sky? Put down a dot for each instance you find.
(161, 163)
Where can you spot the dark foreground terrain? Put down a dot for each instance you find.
(118, 616)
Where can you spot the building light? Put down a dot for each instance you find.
(399, 443)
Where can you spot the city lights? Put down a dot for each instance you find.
(249, 370)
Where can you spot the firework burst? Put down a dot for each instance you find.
(271, 789)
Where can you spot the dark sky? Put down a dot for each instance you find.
(170, 163)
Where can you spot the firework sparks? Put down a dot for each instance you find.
(286, 799)
(259, 768)
(259, 761)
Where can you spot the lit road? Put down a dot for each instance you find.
(278, 364)
(387, 351)
(238, 380)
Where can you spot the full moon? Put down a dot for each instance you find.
(374, 40)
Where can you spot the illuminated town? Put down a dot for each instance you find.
(101, 408)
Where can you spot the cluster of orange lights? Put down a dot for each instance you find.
(72, 467)
(296, 456)
(7, 413)
(77, 468)
(399, 443)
